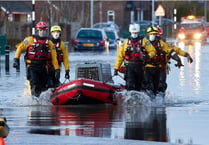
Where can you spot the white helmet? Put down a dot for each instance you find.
(134, 28)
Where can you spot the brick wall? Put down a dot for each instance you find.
(122, 15)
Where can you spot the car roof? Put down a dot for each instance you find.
(93, 29)
(109, 23)
(109, 30)
(106, 24)
(99, 29)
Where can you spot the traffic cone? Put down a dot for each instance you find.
(2, 141)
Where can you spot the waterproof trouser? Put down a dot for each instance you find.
(38, 78)
(52, 80)
(152, 78)
(162, 84)
(134, 76)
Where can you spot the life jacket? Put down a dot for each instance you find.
(135, 52)
(160, 57)
(38, 51)
(59, 52)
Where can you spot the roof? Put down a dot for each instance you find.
(190, 22)
(16, 7)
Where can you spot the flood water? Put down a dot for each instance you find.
(181, 118)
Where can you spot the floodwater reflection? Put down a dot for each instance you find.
(107, 121)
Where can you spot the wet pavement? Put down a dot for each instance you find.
(181, 118)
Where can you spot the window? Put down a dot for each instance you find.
(89, 34)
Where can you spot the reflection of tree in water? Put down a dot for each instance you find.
(145, 123)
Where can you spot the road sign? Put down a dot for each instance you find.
(160, 11)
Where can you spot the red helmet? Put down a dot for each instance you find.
(160, 31)
(41, 26)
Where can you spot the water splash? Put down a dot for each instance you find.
(44, 98)
(133, 98)
(27, 90)
(26, 99)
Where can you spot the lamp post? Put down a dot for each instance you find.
(33, 17)
(205, 10)
(100, 11)
(130, 7)
(175, 19)
(153, 11)
(92, 13)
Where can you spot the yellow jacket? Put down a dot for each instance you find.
(165, 49)
(122, 49)
(22, 46)
(176, 49)
(65, 55)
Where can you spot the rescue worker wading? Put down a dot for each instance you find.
(176, 51)
(38, 52)
(62, 56)
(155, 65)
(134, 51)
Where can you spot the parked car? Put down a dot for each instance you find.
(107, 25)
(165, 21)
(90, 39)
(206, 25)
(113, 38)
(144, 24)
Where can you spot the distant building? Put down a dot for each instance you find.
(124, 12)
(16, 16)
(17, 11)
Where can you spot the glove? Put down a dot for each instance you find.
(57, 74)
(177, 59)
(179, 64)
(189, 58)
(115, 72)
(67, 75)
(16, 63)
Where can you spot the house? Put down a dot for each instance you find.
(15, 20)
(17, 11)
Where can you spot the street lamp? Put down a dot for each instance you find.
(33, 17)
(205, 10)
(92, 12)
(153, 11)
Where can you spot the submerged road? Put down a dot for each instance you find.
(181, 118)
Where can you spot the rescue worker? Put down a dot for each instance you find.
(62, 56)
(133, 53)
(39, 49)
(176, 51)
(154, 65)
